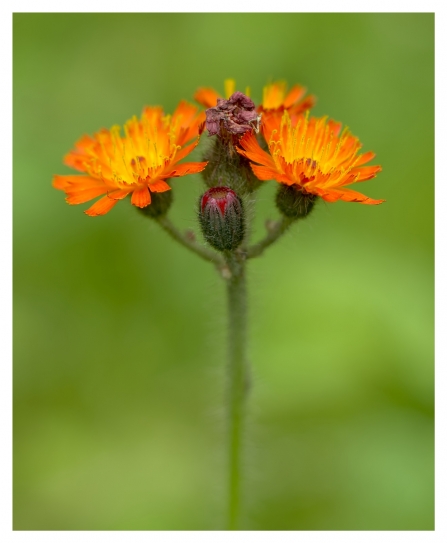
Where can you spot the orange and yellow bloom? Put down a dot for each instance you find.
(313, 155)
(275, 99)
(138, 163)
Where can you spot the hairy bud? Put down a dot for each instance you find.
(159, 206)
(293, 202)
(229, 120)
(221, 216)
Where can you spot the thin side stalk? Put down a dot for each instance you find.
(275, 232)
(189, 242)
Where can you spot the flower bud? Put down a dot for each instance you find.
(294, 202)
(159, 206)
(229, 168)
(221, 216)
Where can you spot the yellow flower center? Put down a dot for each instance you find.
(143, 153)
(313, 144)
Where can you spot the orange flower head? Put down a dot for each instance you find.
(275, 100)
(313, 155)
(138, 163)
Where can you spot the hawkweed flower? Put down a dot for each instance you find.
(311, 155)
(275, 98)
(136, 164)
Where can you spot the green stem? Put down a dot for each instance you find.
(237, 382)
(275, 232)
(189, 242)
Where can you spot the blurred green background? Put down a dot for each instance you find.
(119, 334)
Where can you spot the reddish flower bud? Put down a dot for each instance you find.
(233, 116)
(221, 216)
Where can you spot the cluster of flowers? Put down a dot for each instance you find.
(277, 139)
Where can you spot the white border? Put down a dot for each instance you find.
(229, 6)
(440, 533)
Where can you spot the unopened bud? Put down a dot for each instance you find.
(294, 202)
(159, 206)
(221, 216)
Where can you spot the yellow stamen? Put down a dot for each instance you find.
(230, 87)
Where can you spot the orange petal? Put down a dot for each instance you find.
(266, 174)
(353, 196)
(295, 94)
(252, 151)
(307, 103)
(85, 142)
(81, 196)
(192, 130)
(185, 111)
(159, 186)
(186, 122)
(82, 152)
(206, 96)
(366, 157)
(327, 195)
(119, 194)
(271, 121)
(185, 169)
(141, 197)
(263, 173)
(152, 113)
(101, 207)
(60, 182)
(366, 172)
(75, 182)
(334, 127)
(77, 161)
(185, 151)
(348, 196)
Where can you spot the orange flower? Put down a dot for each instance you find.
(139, 163)
(275, 97)
(312, 155)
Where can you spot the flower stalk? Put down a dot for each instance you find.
(238, 383)
(274, 231)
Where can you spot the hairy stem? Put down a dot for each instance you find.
(274, 232)
(237, 382)
(190, 243)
